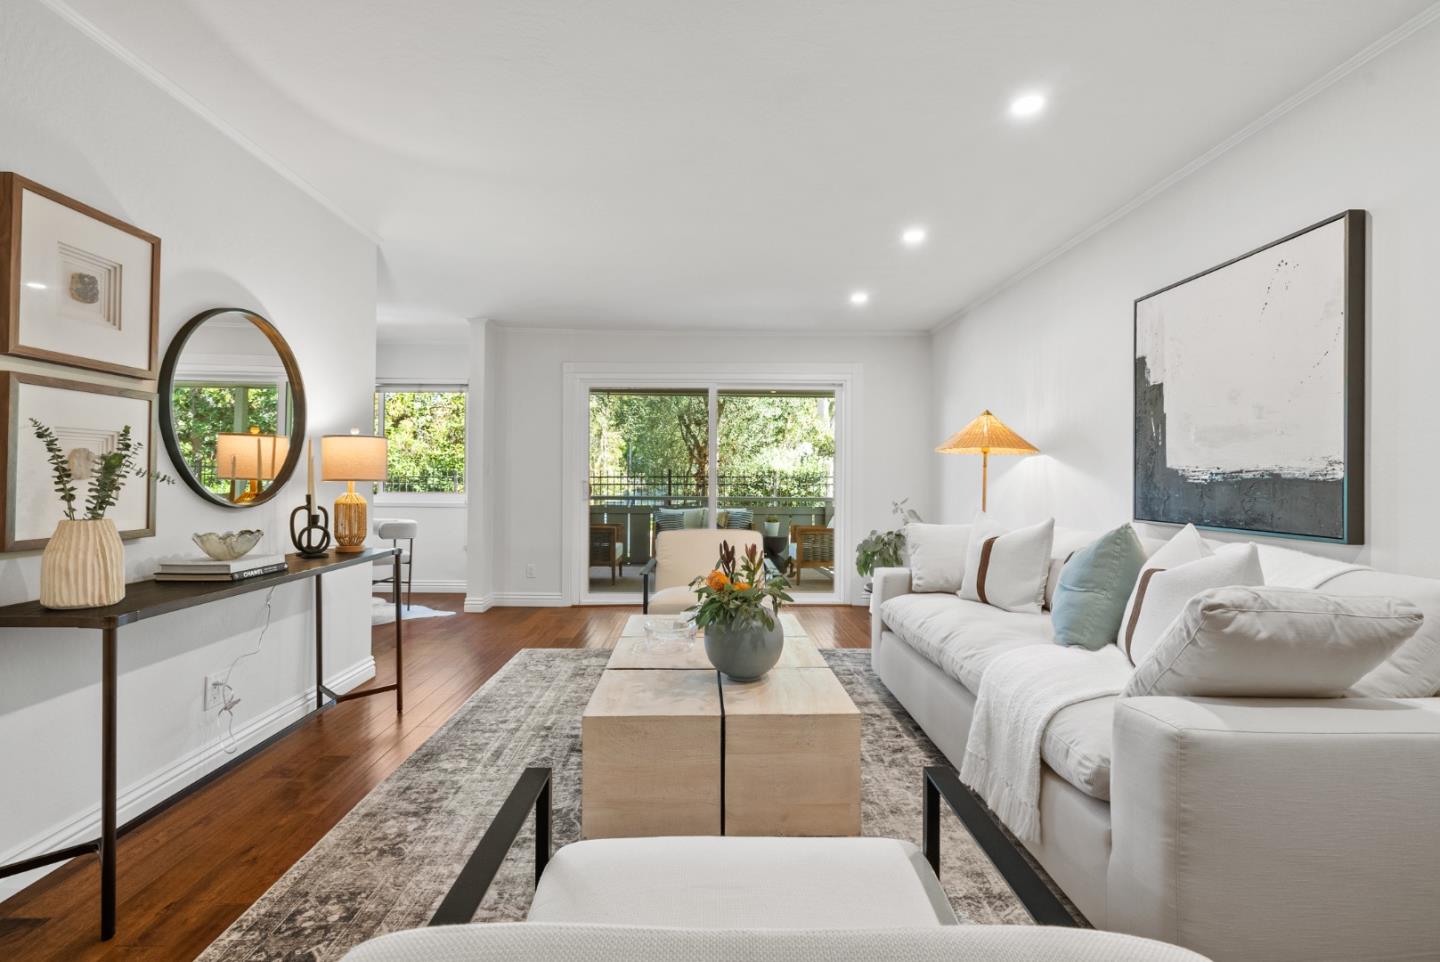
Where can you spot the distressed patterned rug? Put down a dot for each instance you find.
(388, 863)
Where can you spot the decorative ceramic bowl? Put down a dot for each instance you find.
(227, 546)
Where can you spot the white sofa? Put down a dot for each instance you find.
(1245, 829)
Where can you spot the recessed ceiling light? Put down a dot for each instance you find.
(860, 298)
(914, 236)
(1027, 105)
(35, 285)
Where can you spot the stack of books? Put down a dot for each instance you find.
(202, 568)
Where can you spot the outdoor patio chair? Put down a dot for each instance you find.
(681, 557)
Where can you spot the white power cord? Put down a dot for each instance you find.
(228, 697)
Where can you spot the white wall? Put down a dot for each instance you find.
(1052, 356)
(234, 233)
(440, 545)
(896, 432)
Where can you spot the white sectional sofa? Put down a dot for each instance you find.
(1244, 829)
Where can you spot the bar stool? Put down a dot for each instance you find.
(396, 530)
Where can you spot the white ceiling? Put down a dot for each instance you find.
(746, 164)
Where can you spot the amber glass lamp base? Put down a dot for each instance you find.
(349, 522)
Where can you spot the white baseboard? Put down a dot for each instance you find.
(531, 599)
(438, 587)
(139, 797)
(476, 604)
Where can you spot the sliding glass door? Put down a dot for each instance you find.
(709, 457)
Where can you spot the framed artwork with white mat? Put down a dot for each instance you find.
(85, 418)
(77, 286)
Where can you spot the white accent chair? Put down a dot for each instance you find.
(726, 898)
(683, 555)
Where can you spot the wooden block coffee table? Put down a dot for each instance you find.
(670, 747)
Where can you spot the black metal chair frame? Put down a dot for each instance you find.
(1042, 903)
(531, 791)
(408, 561)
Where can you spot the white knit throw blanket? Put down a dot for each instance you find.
(1020, 692)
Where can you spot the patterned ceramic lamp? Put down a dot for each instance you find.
(351, 457)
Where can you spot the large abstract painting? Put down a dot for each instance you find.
(1249, 390)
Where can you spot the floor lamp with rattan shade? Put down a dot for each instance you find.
(986, 435)
(351, 457)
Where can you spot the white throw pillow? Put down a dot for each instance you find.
(936, 554)
(1185, 547)
(1008, 569)
(1273, 643)
(1161, 594)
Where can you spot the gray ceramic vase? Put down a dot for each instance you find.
(744, 652)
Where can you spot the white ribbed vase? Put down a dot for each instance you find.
(83, 565)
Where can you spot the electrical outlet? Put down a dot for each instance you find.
(214, 692)
(530, 571)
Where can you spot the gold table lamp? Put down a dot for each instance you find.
(986, 435)
(351, 457)
(252, 457)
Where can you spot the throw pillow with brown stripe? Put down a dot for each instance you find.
(1185, 547)
(1008, 569)
(1161, 595)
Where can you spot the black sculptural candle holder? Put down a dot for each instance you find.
(313, 539)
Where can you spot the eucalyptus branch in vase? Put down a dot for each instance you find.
(107, 472)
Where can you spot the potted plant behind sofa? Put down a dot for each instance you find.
(83, 565)
(739, 609)
(883, 549)
(771, 526)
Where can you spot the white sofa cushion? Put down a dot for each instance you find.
(936, 555)
(737, 882)
(672, 600)
(1162, 593)
(1272, 643)
(1077, 745)
(1008, 569)
(536, 942)
(1413, 671)
(962, 637)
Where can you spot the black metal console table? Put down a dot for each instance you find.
(147, 599)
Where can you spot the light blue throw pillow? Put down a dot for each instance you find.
(1094, 586)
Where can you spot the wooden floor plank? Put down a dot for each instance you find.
(192, 870)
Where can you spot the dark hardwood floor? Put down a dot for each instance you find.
(189, 872)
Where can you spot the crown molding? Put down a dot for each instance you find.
(1410, 27)
(122, 53)
(531, 329)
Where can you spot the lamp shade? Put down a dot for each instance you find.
(250, 457)
(987, 434)
(352, 457)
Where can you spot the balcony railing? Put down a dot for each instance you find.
(630, 501)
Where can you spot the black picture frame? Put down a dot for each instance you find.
(1348, 527)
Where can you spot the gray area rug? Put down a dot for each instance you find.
(388, 863)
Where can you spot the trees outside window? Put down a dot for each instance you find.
(426, 430)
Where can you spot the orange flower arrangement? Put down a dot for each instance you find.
(739, 590)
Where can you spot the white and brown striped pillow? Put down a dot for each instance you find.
(1161, 594)
(1008, 569)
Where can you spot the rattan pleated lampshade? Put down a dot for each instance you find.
(987, 434)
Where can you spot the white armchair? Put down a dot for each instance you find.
(682, 556)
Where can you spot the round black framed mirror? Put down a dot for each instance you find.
(232, 407)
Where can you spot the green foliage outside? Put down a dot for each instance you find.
(426, 431)
(202, 411)
(769, 445)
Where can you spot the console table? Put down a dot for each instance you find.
(147, 599)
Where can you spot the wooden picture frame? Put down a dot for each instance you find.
(1260, 362)
(18, 443)
(91, 315)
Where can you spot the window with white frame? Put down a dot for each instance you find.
(425, 425)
